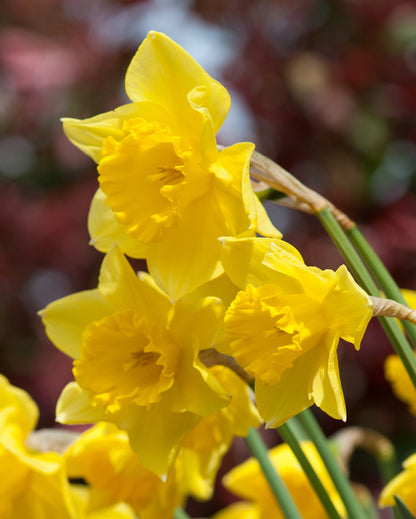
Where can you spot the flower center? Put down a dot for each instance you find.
(125, 359)
(149, 178)
(267, 342)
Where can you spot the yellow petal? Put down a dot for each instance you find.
(239, 511)
(156, 433)
(326, 385)
(89, 134)
(348, 308)
(74, 407)
(17, 408)
(190, 256)
(243, 261)
(241, 411)
(163, 73)
(277, 403)
(105, 231)
(123, 289)
(66, 318)
(45, 495)
(196, 389)
(239, 204)
(410, 296)
(199, 318)
(264, 225)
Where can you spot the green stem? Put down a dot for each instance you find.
(259, 450)
(357, 267)
(381, 274)
(287, 432)
(339, 479)
(350, 255)
(180, 514)
(388, 466)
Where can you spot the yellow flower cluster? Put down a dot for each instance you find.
(153, 352)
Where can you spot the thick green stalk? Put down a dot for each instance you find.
(357, 267)
(339, 479)
(350, 255)
(287, 432)
(180, 514)
(381, 274)
(259, 450)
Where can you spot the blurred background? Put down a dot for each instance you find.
(326, 88)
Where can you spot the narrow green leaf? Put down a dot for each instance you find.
(339, 479)
(259, 450)
(289, 434)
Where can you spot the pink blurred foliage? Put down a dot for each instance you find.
(34, 63)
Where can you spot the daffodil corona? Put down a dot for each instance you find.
(285, 325)
(166, 193)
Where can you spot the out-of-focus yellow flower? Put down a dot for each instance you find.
(410, 296)
(32, 485)
(400, 381)
(396, 373)
(136, 360)
(166, 193)
(286, 323)
(81, 497)
(403, 485)
(206, 444)
(248, 482)
(103, 457)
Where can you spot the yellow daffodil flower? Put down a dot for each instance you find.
(136, 360)
(32, 485)
(403, 486)
(166, 192)
(396, 373)
(248, 482)
(102, 456)
(285, 325)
